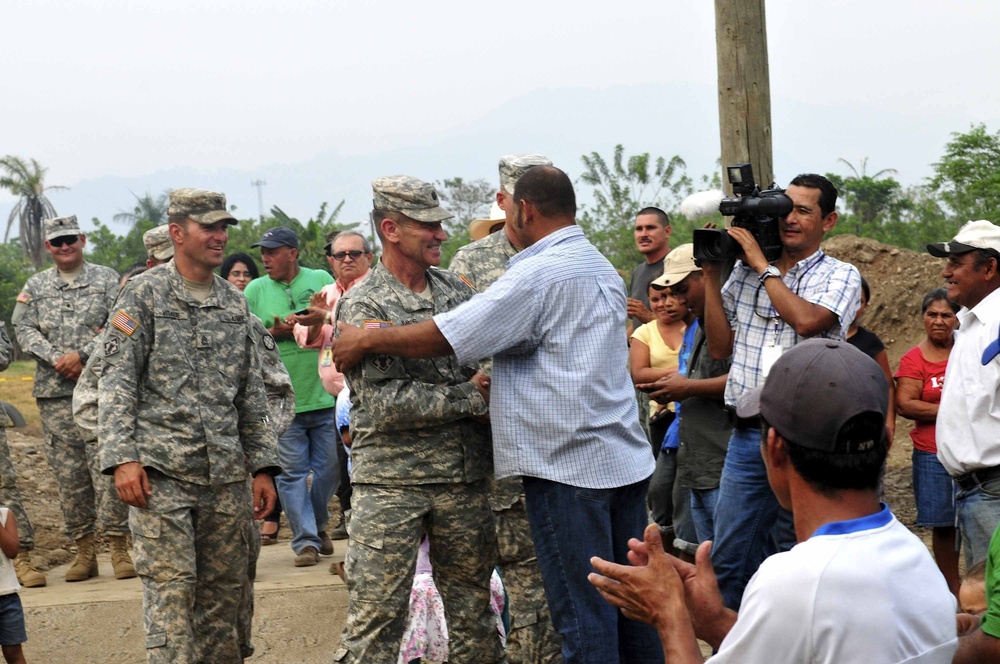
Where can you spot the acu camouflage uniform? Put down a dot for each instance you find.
(181, 393)
(420, 465)
(10, 495)
(532, 637)
(53, 318)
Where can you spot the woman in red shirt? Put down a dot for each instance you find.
(918, 392)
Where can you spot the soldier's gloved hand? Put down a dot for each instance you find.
(132, 483)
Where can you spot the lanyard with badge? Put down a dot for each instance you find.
(770, 353)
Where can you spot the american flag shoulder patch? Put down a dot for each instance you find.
(376, 324)
(24, 297)
(124, 322)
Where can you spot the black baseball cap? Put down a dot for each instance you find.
(278, 237)
(814, 388)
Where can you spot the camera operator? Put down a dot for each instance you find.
(762, 310)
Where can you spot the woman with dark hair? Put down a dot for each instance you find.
(918, 392)
(239, 269)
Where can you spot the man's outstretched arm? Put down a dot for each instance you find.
(422, 339)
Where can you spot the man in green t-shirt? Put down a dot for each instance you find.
(308, 445)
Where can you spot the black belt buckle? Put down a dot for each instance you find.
(742, 423)
(977, 478)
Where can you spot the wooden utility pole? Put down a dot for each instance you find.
(744, 88)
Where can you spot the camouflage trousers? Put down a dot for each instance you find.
(190, 551)
(387, 524)
(86, 496)
(10, 495)
(532, 638)
(244, 621)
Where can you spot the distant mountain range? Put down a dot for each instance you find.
(564, 123)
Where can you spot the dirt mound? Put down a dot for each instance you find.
(898, 278)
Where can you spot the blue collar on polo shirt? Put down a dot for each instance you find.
(870, 522)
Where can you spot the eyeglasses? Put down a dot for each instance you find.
(341, 255)
(64, 240)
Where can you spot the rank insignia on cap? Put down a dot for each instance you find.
(125, 323)
(24, 297)
(376, 324)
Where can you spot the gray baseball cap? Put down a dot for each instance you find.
(513, 166)
(813, 389)
(415, 198)
(61, 227)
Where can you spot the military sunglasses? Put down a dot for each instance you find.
(64, 240)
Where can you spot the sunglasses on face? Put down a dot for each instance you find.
(341, 255)
(66, 239)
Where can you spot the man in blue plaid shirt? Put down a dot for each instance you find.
(762, 310)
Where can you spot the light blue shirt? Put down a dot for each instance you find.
(562, 404)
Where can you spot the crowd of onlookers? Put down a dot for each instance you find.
(497, 445)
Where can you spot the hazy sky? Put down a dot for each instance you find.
(103, 87)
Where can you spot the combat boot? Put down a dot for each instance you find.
(121, 558)
(85, 565)
(26, 572)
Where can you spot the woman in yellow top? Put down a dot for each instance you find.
(653, 354)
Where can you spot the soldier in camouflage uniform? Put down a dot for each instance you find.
(57, 319)
(10, 495)
(182, 419)
(532, 637)
(421, 451)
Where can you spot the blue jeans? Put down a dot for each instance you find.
(703, 502)
(749, 523)
(308, 447)
(978, 515)
(569, 525)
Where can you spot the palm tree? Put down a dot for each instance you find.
(147, 208)
(26, 181)
(867, 197)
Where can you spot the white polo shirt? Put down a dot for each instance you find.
(968, 421)
(864, 590)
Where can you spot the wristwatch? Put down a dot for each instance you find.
(771, 271)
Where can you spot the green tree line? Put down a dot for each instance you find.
(965, 185)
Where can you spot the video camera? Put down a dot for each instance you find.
(755, 210)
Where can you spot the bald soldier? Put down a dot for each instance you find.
(58, 317)
(182, 419)
(532, 637)
(422, 453)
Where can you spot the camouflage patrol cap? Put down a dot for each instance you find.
(415, 198)
(513, 166)
(158, 243)
(205, 207)
(61, 227)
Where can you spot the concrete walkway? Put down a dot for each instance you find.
(299, 614)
